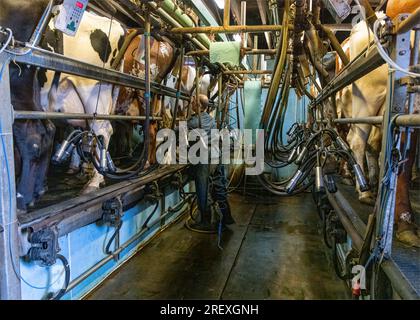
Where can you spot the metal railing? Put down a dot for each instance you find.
(379, 234)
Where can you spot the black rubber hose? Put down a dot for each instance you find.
(63, 290)
(144, 226)
(117, 229)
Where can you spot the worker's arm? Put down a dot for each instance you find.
(193, 123)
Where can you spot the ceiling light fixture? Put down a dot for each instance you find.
(237, 37)
(220, 3)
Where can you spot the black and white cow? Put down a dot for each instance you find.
(33, 138)
(97, 42)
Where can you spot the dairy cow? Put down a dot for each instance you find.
(97, 42)
(364, 98)
(33, 139)
(131, 101)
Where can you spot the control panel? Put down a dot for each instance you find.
(339, 9)
(70, 16)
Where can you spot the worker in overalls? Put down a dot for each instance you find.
(214, 197)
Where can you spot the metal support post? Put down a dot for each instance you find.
(395, 104)
(9, 248)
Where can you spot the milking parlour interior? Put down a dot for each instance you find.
(209, 150)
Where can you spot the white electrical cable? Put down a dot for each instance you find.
(386, 57)
(381, 49)
(8, 40)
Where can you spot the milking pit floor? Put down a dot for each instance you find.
(274, 251)
(406, 258)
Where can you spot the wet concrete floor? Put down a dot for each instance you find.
(274, 251)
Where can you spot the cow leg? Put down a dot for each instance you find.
(373, 149)
(28, 141)
(120, 137)
(152, 143)
(404, 218)
(129, 139)
(26, 185)
(344, 169)
(103, 128)
(358, 145)
(346, 174)
(47, 146)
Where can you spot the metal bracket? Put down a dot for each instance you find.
(152, 192)
(395, 104)
(112, 212)
(44, 246)
(177, 182)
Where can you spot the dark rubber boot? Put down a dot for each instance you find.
(203, 224)
(202, 227)
(227, 216)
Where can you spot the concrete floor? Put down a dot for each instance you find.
(275, 251)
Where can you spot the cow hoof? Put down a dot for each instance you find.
(347, 181)
(21, 211)
(415, 182)
(89, 189)
(72, 171)
(20, 204)
(409, 238)
(41, 192)
(147, 165)
(367, 199)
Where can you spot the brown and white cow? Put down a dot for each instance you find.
(366, 97)
(367, 145)
(187, 85)
(206, 86)
(131, 101)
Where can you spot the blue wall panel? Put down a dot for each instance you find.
(85, 247)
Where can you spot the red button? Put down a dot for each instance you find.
(79, 4)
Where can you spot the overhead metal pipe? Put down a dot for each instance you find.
(339, 27)
(261, 51)
(226, 14)
(370, 13)
(176, 13)
(367, 120)
(335, 44)
(279, 68)
(229, 29)
(41, 115)
(248, 51)
(219, 101)
(53, 61)
(248, 72)
(198, 53)
(178, 86)
(178, 19)
(255, 58)
(243, 22)
(408, 120)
